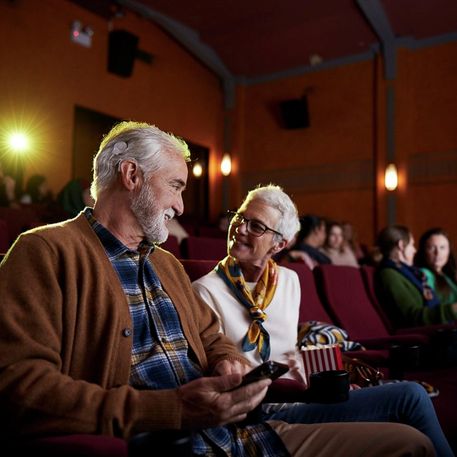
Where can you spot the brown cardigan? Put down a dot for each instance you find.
(64, 345)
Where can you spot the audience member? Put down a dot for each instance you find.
(44, 206)
(437, 261)
(105, 335)
(351, 239)
(223, 222)
(7, 189)
(308, 242)
(36, 190)
(335, 246)
(402, 288)
(257, 303)
(75, 196)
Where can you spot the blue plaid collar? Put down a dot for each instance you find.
(113, 247)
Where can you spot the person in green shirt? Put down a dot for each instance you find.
(436, 259)
(402, 288)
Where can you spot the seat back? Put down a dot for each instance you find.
(344, 295)
(311, 307)
(368, 273)
(18, 220)
(209, 231)
(4, 236)
(195, 269)
(70, 446)
(368, 277)
(172, 245)
(203, 248)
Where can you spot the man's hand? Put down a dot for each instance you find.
(230, 367)
(207, 401)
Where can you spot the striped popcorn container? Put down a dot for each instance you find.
(322, 357)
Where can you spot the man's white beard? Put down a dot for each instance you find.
(149, 217)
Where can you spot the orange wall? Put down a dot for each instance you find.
(426, 114)
(335, 167)
(43, 75)
(317, 164)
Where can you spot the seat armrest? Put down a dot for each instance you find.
(76, 445)
(284, 390)
(385, 342)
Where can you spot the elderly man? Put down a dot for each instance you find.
(257, 303)
(102, 333)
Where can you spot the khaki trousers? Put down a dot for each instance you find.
(350, 439)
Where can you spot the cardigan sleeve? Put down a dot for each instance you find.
(401, 294)
(64, 358)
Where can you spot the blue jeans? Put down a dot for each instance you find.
(405, 402)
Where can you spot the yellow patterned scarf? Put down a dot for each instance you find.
(256, 302)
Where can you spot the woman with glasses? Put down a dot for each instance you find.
(257, 303)
(253, 279)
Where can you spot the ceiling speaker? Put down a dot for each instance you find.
(122, 49)
(294, 113)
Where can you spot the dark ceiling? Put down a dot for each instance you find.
(257, 38)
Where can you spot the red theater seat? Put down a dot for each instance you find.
(203, 248)
(195, 269)
(72, 446)
(4, 236)
(172, 245)
(345, 298)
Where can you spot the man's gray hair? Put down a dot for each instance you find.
(146, 144)
(274, 196)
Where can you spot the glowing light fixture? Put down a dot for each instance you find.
(197, 170)
(226, 165)
(18, 142)
(391, 177)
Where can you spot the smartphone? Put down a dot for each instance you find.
(268, 369)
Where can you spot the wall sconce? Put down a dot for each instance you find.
(391, 177)
(18, 142)
(197, 170)
(226, 165)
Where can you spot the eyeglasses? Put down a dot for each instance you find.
(253, 227)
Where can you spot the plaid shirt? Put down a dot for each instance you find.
(160, 350)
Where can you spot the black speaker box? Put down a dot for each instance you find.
(294, 113)
(122, 49)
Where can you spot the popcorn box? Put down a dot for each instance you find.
(321, 357)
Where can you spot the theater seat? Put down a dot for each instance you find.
(172, 443)
(83, 445)
(4, 236)
(203, 248)
(312, 309)
(368, 276)
(195, 269)
(343, 293)
(18, 220)
(172, 245)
